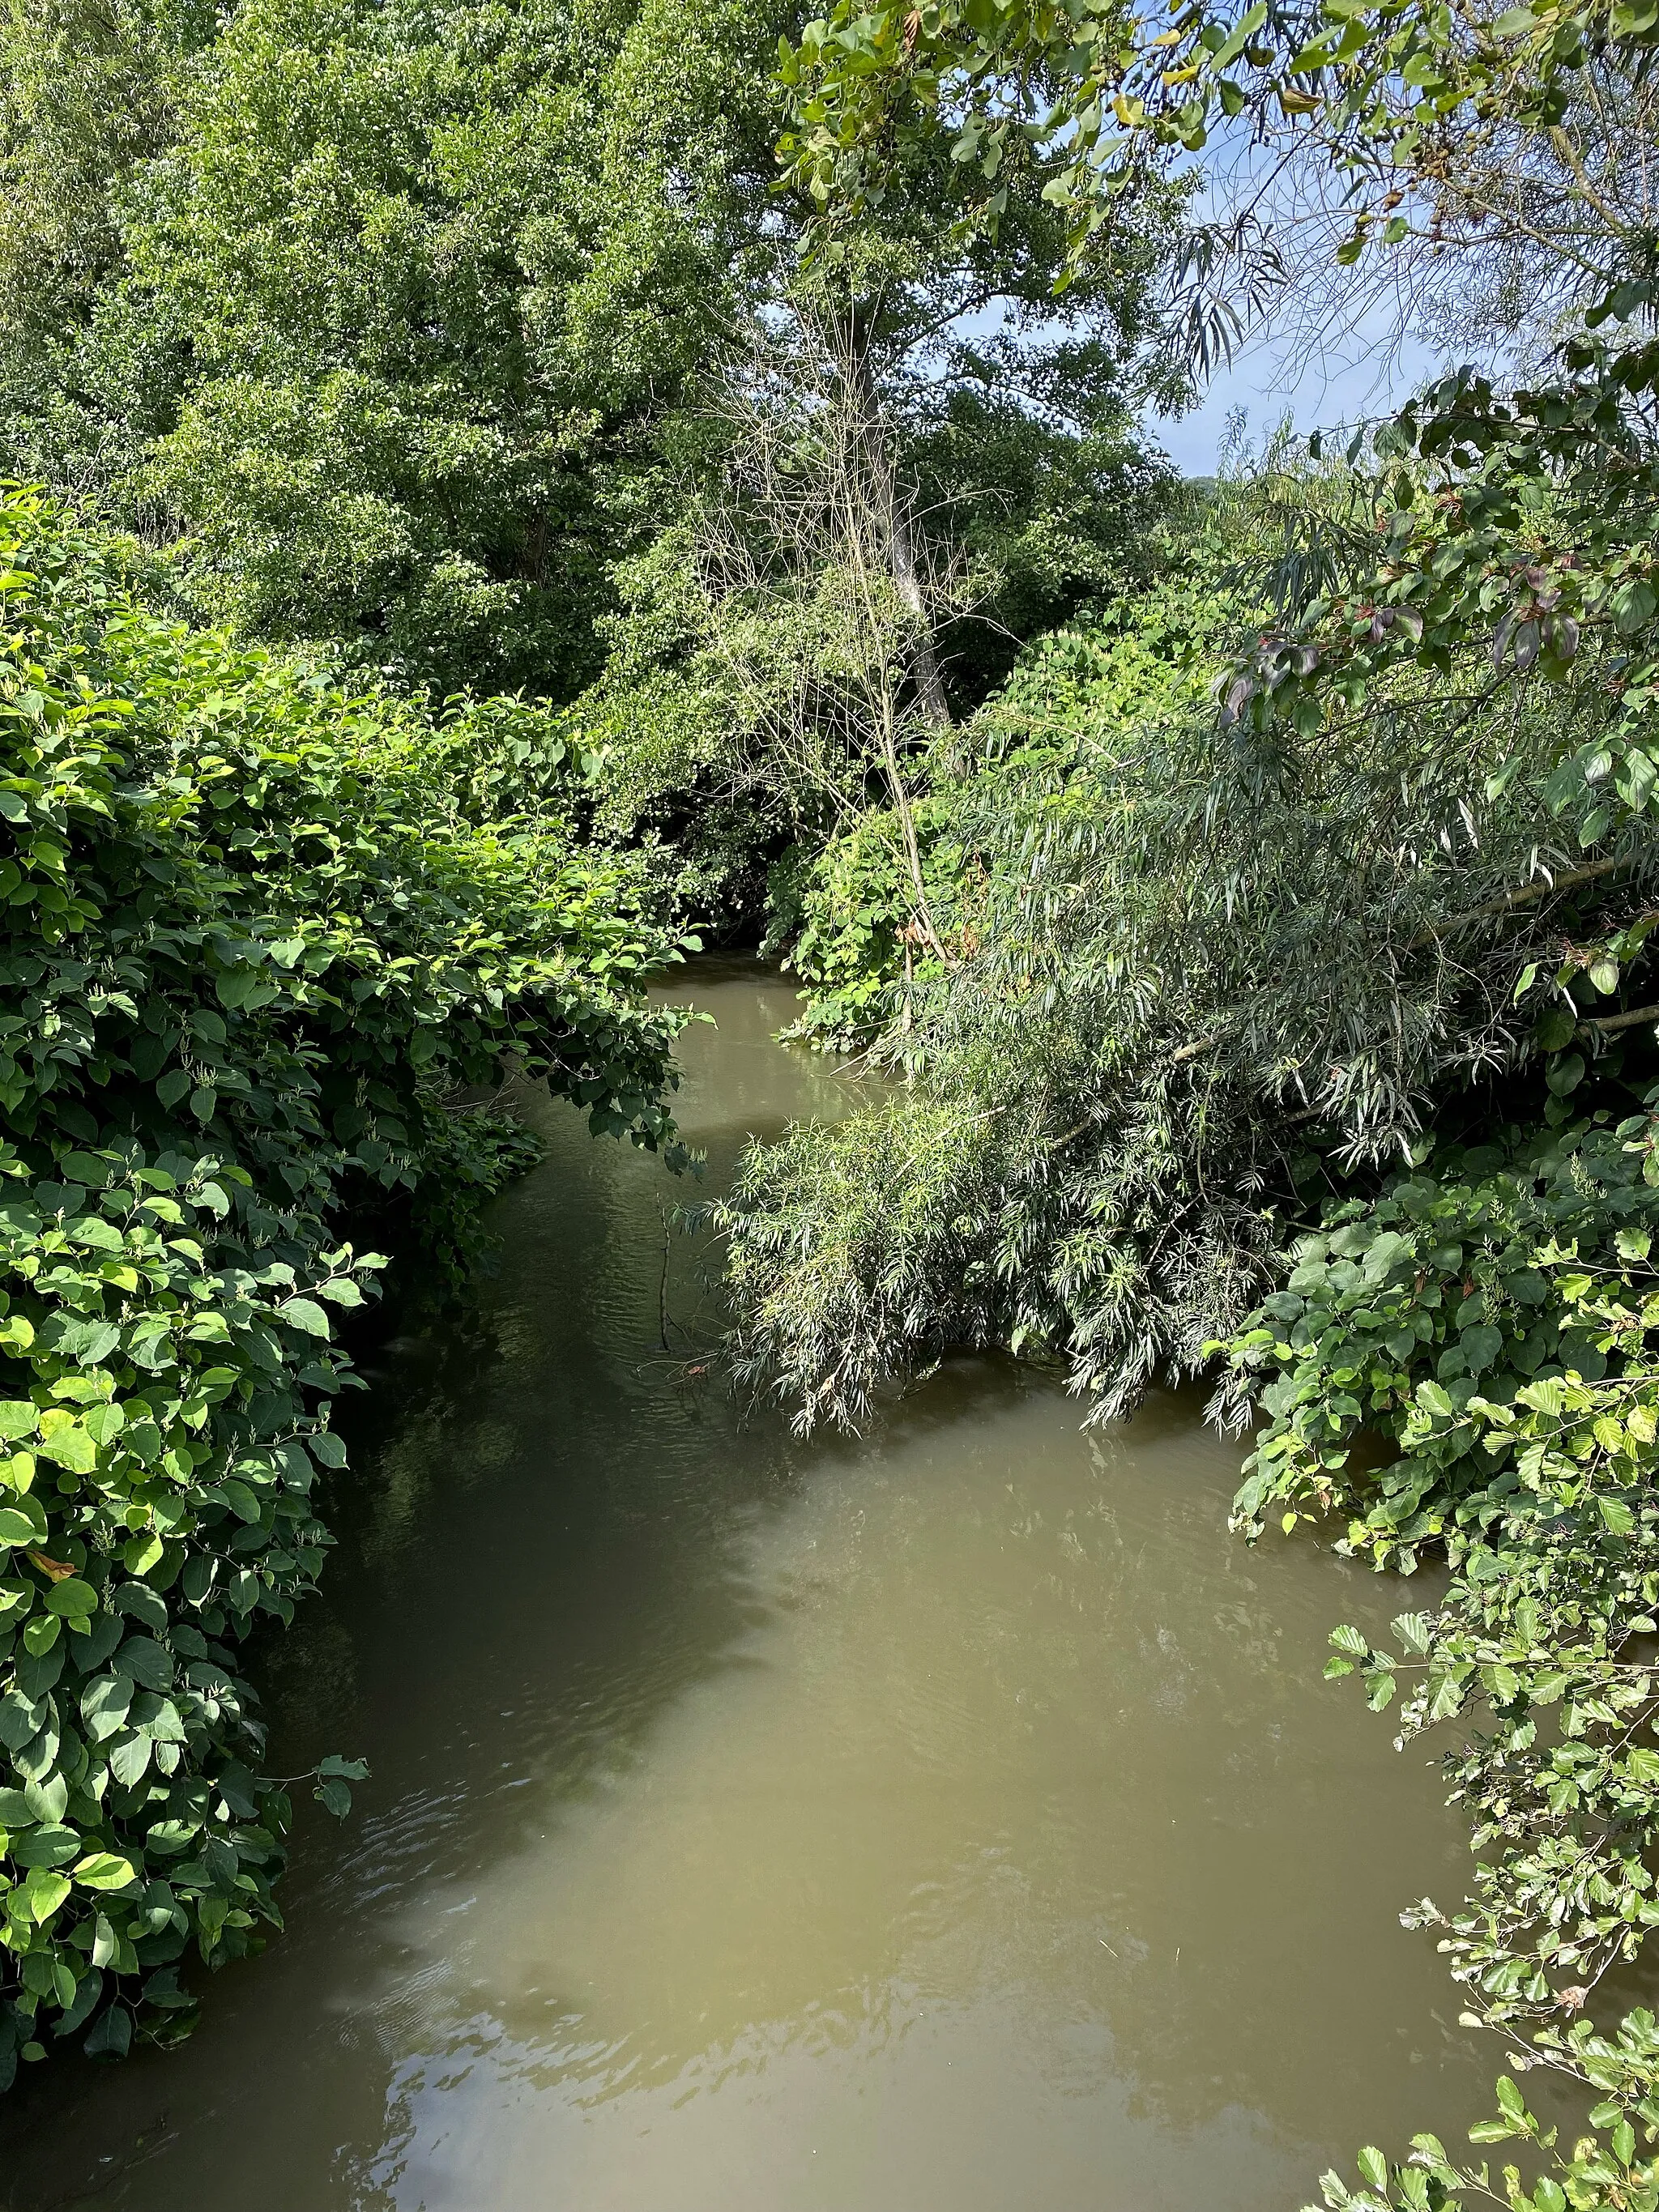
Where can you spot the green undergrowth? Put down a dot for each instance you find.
(844, 914)
(1494, 1317)
(258, 938)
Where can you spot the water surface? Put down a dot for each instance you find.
(953, 1821)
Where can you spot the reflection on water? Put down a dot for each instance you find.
(953, 1822)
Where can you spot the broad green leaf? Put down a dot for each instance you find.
(41, 1895)
(111, 2036)
(304, 1314)
(129, 1760)
(105, 1423)
(145, 1662)
(96, 1234)
(242, 1501)
(1482, 1346)
(72, 1599)
(67, 1441)
(46, 1846)
(103, 1870)
(48, 1800)
(104, 1704)
(143, 1553)
(23, 1521)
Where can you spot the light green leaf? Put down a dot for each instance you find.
(41, 1895)
(23, 1521)
(304, 1314)
(103, 1870)
(104, 1423)
(105, 1702)
(67, 1441)
(130, 1760)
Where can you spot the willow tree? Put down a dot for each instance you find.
(1282, 957)
(1406, 848)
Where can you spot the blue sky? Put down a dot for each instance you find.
(1357, 380)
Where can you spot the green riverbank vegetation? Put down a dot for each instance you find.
(259, 932)
(523, 483)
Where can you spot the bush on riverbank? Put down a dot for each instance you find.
(1393, 883)
(1219, 958)
(1135, 661)
(1494, 1316)
(257, 933)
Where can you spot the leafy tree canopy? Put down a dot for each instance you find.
(400, 326)
(258, 932)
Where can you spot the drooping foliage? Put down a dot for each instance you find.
(1201, 944)
(260, 932)
(843, 911)
(1501, 152)
(1389, 888)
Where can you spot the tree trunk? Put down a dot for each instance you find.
(900, 544)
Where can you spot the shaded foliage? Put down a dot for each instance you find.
(260, 931)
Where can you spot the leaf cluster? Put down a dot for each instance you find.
(1470, 1364)
(257, 935)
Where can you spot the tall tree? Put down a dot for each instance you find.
(399, 321)
(432, 276)
(89, 91)
(953, 418)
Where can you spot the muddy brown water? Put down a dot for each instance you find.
(951, 1821)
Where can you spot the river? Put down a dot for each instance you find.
(951, 1821)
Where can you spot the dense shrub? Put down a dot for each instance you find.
(1401, 848)
(843, 911)
(1492, 1323)
(257, 934)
